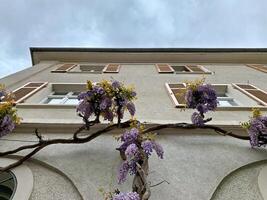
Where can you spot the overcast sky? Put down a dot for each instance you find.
(127, 23)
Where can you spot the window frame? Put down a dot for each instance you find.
(64, 98)
(181, 105)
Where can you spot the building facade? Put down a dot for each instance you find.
(196, 162)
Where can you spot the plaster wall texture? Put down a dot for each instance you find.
(153, 103)
(194, 165)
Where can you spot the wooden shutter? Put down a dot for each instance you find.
(177, 92)
(64, 68)
(27, 90)
(253, 92)
(164, 68)
(112, 68)
(259, 67)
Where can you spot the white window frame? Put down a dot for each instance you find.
(65, 98)
(179, 105)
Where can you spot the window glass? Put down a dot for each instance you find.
(54, 100)
(71, 102)
(8, 185)
(226, 102)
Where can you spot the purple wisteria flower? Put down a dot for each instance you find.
(147, 146)
(116, 84)
(203, 98)
(127, 196)
(106, 99)
(6, 125)
(257, 131)
(197, 119)
(131, 108)
(132, 152)
(128, 137)
(158, 148)
(122, 172)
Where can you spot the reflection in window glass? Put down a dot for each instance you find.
(226, 102)
(54, 101)
(8, 185)
(71, 102)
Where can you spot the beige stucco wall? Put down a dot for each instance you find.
(153, 103)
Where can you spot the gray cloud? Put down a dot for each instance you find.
(132, 23)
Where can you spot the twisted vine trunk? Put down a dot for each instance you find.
(140, 184)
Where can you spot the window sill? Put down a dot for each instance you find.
(55, 106)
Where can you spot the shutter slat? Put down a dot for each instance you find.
(259, 67)
(164, 68)
(27, 90)
(259, 94)
(253, 92)
(246, 86)
(112, 68)
(33, 85)
(21, 92)
(64, 68)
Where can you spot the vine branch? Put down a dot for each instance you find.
(77, 140)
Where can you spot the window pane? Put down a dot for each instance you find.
(227, 102)
(71, 102)
(180, 68)
(7, 185)
(76, 93)
(54, 101)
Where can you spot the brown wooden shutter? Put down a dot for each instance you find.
(177, 92)
(27, 90)
(253, 92)
(64, 68)
(112, 68)
(164, 68)
(259, 67)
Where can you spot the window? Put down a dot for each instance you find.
(177, 92)
(67, 98)
(97, 69)
(259, 67)
(8, 185)
(182, 69)
(94, 68)
(253, 92)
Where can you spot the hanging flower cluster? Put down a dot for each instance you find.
(257, 128)
(201, 97)
(126, 196)
(8, 113)
(136, 145)
(108, 99)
